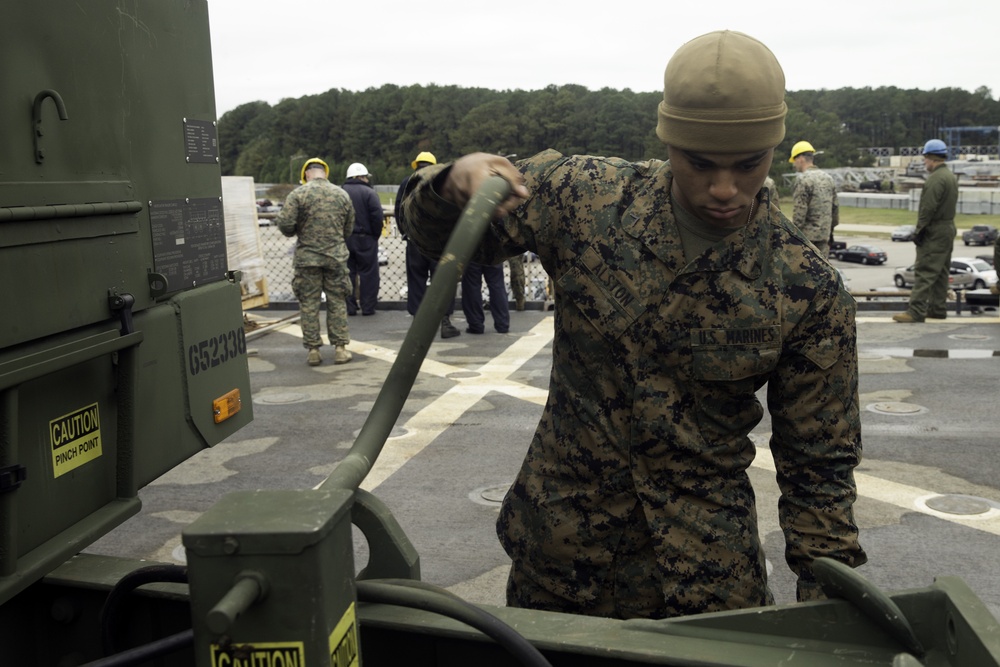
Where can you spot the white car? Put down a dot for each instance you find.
(982, 274)
(906, 277)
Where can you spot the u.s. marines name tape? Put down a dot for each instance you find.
(75, 439)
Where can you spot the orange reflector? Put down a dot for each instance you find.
(226, 406)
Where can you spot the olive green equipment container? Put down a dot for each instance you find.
(122, 349)
(272, 579)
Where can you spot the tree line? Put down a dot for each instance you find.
(386, 127)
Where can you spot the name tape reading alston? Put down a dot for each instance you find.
(75, 439)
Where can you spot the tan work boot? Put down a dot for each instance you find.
(314, 358)
(341, 355)
(906, 317)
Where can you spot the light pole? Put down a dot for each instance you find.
(291, 167)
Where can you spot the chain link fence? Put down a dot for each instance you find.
(278, 249)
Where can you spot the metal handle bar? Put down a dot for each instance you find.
(464, 240)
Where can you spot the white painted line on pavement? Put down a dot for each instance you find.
(907, 497)
(444, 411)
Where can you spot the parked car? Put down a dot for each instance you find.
(383, 257)
(980, 235)
(904, 233)
(987, 258)
(981, 273)
(906, 277)
(865, 254)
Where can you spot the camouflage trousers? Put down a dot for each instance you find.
(309, 285)
(516, 265)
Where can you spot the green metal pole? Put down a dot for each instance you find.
(464, 240)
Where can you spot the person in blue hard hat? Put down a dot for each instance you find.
(934, 238)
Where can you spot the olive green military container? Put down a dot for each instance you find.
(122, 351)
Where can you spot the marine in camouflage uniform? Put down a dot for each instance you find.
(814, 204)
(633, 499)
(516, 264)
(321, 216)
(935, 237)
(772, 190)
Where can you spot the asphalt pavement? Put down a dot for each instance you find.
(929, 500)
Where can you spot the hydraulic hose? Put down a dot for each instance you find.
(418, 595)
(352, 470)
(111, 610)
(151, 574)
(141, 655)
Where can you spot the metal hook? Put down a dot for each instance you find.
(36, 115)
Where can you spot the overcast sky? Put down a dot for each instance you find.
(271, 50)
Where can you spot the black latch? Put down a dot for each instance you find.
(122, 305)
(12, 476)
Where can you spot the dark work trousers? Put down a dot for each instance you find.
(419, 270)
(472, 299)
(362, 266)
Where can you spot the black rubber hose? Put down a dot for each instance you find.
(464, 240)
(152, 574)
(141, 654)
(418, 595)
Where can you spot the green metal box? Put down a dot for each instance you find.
(295, 549)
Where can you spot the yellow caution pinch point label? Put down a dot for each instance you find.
(75, 439)
(344, 641)
(264, 654)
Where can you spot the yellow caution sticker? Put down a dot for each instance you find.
(344, 641)
(75, 439)
(273, 654)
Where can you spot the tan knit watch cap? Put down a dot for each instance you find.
(723, 92)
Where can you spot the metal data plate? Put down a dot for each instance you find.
(189, 241)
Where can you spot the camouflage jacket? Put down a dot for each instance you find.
(814, 200)
(656, 364)
(938, 200)
(321, 215)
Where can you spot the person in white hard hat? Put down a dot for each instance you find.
(362, 264)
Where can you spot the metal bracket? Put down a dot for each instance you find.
(157, 284)
(12, 476)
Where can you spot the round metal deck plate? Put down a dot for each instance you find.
(281, 398)
(896, 408)
(959, 504)
(490, 496)
(460, 375)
